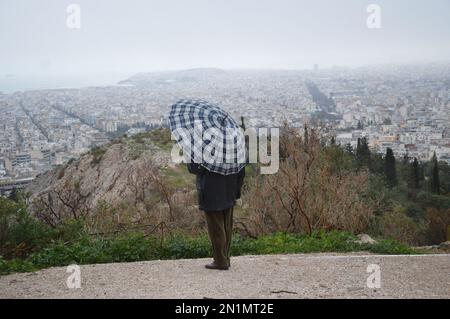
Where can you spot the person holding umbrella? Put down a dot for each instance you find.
(214, 148)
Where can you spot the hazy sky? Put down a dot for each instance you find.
(146, 35)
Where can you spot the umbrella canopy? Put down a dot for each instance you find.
(208, 136)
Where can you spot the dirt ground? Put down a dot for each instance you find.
(268, 276)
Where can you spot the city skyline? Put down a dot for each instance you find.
(404, 108)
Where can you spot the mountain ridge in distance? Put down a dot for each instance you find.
(191, 75)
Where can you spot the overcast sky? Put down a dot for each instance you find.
(146, 35)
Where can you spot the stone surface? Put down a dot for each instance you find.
(365, 239)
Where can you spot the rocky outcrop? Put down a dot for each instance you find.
(445, 245)
(441, 248)
(107, 174)
(365, 239)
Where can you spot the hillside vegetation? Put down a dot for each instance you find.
(324, 186)
(126, 201)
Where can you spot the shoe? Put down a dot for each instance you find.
(213, 265)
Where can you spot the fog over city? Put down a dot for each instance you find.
(125, 37)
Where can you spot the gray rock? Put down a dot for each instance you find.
(445, 244)
(365, 239)
(430, 247)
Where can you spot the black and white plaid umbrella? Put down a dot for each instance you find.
(208, 136)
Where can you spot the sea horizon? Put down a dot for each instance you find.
(19, 83)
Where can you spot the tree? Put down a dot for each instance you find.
(377, 163)
(363, 153)
(413, 178)
(306, 135)
(444, 178)
(414, 174)
(333, 140)
(435, 184)
(69, 201)
(404, 169)
(389, 168)
(13, 195)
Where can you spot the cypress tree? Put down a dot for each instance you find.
(415, 174)
(435, 183)
(363, 153)
(389, 168)
(365, 145)
(405, 169)
(358, 153)
(306, 137)
(413, 179)
(333, 140)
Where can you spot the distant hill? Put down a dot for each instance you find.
(189, 75)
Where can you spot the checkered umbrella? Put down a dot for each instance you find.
(208, 136)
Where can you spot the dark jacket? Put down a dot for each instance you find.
(216, 192)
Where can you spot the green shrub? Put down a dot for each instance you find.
(162, 138)
(20, 233)
(136, 247)
(132, 247)
(97, 154)
(15, 265)
(396, 224)
(390, 247)
(180, 246)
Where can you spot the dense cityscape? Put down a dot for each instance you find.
(405, 108)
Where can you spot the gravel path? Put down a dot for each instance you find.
(272, 276)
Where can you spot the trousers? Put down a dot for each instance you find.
(220, 227)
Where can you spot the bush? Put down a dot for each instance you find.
(132, 247)
(390, 247)
(397, 225)
(278, 243)
(137, 247)
(316, 188)
(182, 246)
(97, 154)
(15, 265)
(161, 137)
(20, 233)
(439, 224)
